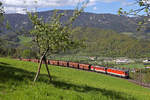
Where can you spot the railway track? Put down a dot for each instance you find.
(139, 83)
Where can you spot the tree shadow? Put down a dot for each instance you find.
(4, 63)
(10, 74)
(2, 87)
(108, 93)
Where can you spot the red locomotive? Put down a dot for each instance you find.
(118, 72)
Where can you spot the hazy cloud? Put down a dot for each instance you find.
(94, 8)
(12, 6)
(18, 6)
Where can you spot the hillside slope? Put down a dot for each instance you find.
(99, 42)
(103, 21)
(68, 84)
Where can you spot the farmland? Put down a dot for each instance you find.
(16, 82)
(98, 61)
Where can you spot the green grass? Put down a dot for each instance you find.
(16, 83)
(74, 58)
(127, 33)
(132, 66)
(84, 59)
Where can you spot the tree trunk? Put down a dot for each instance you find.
(40, 64)
(141, 76)
(39, 68)
(47, 69)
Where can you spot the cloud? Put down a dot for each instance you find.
(39, 3)
(94, 8)
(18, 6)
(104, 1)
(20, 10)
(109, 1)
(12, 6)
(128, 3)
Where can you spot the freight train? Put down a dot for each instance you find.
(106, 70)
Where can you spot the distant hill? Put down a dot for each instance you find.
(100, 30)
(103, 21)
(111, 44)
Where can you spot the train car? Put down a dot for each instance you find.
(63, 63)
(47, 61)
(25, 59)
(54, 62)
(74, 65)
(107, 70)
(84, 66)
(99, 69)
(32, 60)
(35, 60)
(19, 59)
(118, 72)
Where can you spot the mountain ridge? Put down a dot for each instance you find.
(86, 19)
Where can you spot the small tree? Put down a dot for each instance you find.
(143, 10)
(1, 13)
(27, 53)
(53, 36)
(1, 22)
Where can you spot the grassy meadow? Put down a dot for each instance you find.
(132, 65)
(16, 83)
(84, 59)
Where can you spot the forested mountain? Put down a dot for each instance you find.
(108, 43)
(103, 21)
(99, 30)
(99, 42)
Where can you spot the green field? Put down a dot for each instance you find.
(16, 83)
(84, 59)
(132, 65)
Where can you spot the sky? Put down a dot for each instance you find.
(94, 6)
